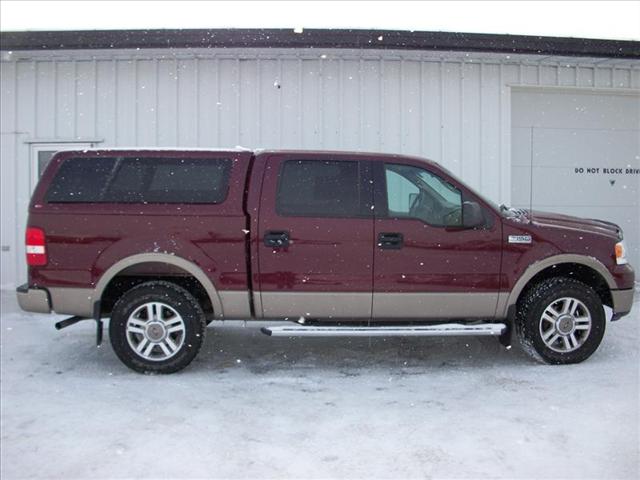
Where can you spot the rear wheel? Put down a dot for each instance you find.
(560, 321)
(157, 327)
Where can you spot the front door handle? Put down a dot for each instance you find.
(390, 241)
(279, 239)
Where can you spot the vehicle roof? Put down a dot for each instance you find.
(155, 149)
(374, 156)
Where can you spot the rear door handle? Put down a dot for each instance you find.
(390, 241)
(279, 239)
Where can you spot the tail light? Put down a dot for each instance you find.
(36, 248)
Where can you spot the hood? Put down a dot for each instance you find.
(583, 224)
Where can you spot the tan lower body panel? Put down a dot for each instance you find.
(72, 301)
(338, 305)
(316, 305)
(235, 304)
(622, 300)
(34, 300)
(434, 305)
(503, 305)
(79, 301)
(385, 305)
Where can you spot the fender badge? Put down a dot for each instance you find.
(519, 238)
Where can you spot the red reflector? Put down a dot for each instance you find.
(35, 246)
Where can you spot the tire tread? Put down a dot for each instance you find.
(526, 321)
(176, 293)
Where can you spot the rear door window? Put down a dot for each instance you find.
(320, 188)
(141, 180)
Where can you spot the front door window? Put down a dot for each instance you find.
(416, 193)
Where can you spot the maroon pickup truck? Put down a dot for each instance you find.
(162, 242)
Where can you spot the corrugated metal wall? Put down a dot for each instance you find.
(454, 109)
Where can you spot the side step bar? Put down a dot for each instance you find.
(443, 330)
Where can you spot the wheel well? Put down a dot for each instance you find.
(144, 272)
(580, 272)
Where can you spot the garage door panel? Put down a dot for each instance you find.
(521, 186)
(563, 108)
(576, 142)
(584, 148)
(521, 146)
(562, 186)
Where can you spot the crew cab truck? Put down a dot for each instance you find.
(162, 242)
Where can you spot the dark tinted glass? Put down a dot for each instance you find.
(162, 180)
(81, 180)
(144, 180)
(319, 188)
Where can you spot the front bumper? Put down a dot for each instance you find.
(33, 299)
(622, 302)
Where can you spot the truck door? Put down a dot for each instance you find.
(427, 264)
(315, 234)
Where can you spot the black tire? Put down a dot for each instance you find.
(529, 314)
(174, 299)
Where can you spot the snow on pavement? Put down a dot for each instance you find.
(253, 406)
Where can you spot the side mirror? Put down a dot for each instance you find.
(472, 216)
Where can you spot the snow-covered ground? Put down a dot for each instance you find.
(256, 406)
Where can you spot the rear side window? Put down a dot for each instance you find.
(81, 180)
(319, 188)
(140, 180)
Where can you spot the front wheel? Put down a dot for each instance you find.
(560, 321)
(157, 327)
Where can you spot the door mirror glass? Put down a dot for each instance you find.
(472, 216)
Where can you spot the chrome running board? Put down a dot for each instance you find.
(443, 330)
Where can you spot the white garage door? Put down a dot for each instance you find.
(579, 153)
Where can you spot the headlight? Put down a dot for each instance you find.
(621, 253)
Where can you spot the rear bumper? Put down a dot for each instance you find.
(63, 301)
(622, 302)
(33, 299)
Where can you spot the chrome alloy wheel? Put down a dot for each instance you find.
(565, 324)
(155, 331)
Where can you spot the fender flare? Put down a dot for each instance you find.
(174, 260)
(541, 265)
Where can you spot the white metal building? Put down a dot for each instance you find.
(548, 122)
